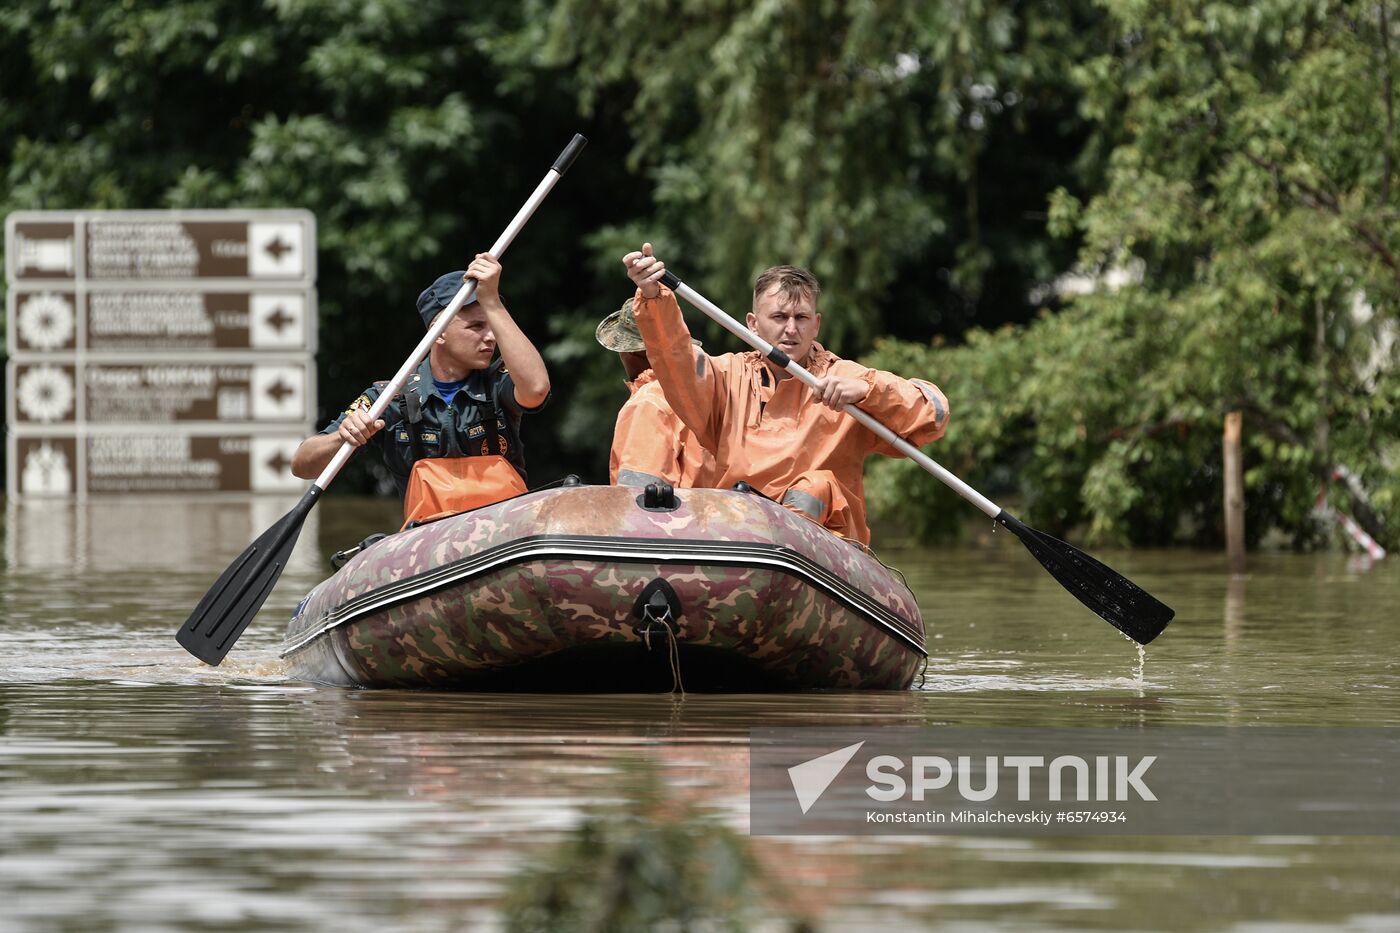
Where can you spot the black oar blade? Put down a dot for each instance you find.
(240, 591)
(1117, 600)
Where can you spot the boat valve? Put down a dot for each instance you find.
(658, 497)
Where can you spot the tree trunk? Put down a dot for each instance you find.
(1234, 494)
(1322, 427)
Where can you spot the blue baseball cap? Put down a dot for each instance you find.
(439, 295)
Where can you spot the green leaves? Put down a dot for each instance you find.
(1249, 190)
(827, 135)
(1184, 209)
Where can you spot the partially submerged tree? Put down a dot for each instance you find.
(1253, 184)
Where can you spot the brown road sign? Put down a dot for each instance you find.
(157, 461)
(67, 319)
(123, 246)
(228, 390)
(158, 351)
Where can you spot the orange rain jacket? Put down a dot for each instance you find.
(771, 433)
(651, 443)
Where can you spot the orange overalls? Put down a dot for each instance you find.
(650, 443)
(771, 433)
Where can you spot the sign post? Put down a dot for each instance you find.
(158, 351)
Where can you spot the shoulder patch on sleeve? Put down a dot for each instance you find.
(363, 400)
(934, 397)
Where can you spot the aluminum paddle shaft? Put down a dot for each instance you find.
(1115, 598)
(782, 359)
(460, 300)
(238, 594)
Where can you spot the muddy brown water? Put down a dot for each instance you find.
(141, 790)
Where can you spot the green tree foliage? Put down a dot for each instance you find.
(388, 120)
(1249, 195)
(878, 143)
(881, 143)
(1234, 163)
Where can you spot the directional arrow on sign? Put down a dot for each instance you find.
(279, 463)
(271, 458)
(279, 391)
(279, 319)
(277, 248)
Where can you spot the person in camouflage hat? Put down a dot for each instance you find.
(650, 444)
(618, 332)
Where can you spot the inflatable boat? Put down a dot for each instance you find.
(612, 589)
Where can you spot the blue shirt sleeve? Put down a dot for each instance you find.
(504, 389)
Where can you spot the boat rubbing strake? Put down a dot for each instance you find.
(596, 588)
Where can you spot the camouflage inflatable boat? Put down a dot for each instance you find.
(603, 589)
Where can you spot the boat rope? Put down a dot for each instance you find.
(892, 569)
(673, 648)
(339, 558)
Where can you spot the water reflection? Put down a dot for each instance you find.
(189, 797)
(157, 534)
(259, 805)
(1234, 610)
(648, 862)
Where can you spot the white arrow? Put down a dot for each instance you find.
(811, 778)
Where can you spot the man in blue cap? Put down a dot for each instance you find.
(453, 437)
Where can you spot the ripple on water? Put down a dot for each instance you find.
(140, 788)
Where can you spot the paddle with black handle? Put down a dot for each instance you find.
(1119, 601)
(239, 593)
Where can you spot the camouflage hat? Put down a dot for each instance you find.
(439, 295)
(618, 331)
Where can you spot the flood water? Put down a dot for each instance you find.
(142, 790)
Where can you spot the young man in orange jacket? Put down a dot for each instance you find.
(766, 428)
